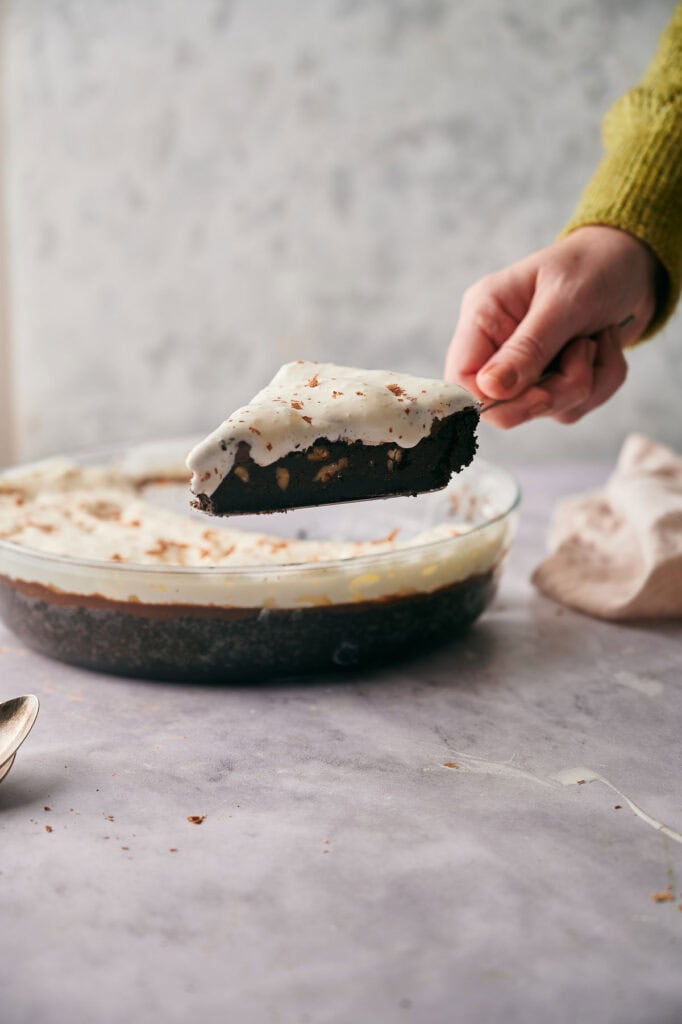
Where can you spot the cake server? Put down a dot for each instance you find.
(17, 718)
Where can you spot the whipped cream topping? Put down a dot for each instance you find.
(308, 400)
(100, 514)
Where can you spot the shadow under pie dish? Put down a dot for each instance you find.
(104, 565)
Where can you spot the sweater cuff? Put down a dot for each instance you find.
(637, 187)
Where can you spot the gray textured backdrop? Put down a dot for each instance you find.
(197, 192)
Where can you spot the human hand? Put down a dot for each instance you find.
(568, 298)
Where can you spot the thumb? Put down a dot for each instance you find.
(522, 358)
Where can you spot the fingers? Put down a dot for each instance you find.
(523, 357)
(610, 371)
(484, 325)
(571, 386)
(514, 323)
(590, 371)
(487, 331)
(532, 403)
(567, 388)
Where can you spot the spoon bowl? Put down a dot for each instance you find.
(17, 718)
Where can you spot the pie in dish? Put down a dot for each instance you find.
(101, 568)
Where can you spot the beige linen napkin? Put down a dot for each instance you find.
(617, 553)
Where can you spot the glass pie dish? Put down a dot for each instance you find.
(318, 589)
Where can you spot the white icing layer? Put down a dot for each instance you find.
(307, 400)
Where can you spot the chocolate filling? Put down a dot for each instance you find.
(336, 471)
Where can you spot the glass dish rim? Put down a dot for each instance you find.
(135, 568)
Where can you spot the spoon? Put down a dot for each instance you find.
(17, 717)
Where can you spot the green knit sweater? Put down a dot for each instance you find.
(638, 184)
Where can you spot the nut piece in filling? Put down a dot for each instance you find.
(332, 434)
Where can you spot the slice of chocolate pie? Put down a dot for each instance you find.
(320, 433)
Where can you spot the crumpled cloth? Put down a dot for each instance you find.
(617, 553)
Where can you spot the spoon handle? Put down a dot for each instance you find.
(5, 768)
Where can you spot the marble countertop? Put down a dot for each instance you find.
(342, 873)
